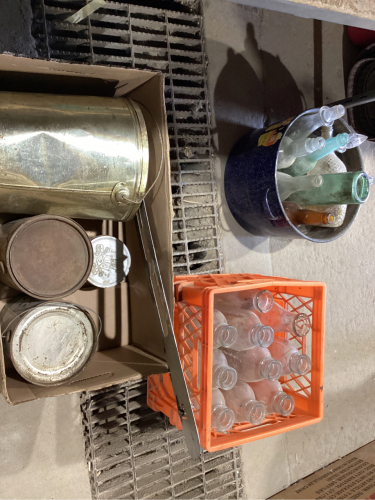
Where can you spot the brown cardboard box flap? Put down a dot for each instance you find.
(106, 368)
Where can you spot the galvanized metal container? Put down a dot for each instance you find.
(111, 262)
(251, 188)
(77, 156)
(45, 256)
(49, 343)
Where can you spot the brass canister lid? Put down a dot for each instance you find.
(49, 257)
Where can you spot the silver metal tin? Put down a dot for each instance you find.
(49, 343)
(111, 262)
(77, 156)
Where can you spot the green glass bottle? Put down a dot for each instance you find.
(349, 188)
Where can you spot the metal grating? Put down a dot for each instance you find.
(134, 453)
(170, 41)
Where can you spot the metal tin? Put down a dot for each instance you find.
(78, 156)
(48, 343)
(111, 262)
(45, 256)
(251, 188)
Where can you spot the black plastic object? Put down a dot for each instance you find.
(251, 188)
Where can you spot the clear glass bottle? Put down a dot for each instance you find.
(223, 375)
(292, 360)
(298, 215)
(307, 124)
(254, 364)
(250, 331)
(306, 163)
(350, 188)
(281, 320)
(241, 400)
(222, 417)
(224, 335)
(273, 397)
(355, 140)
(290, 150)
(289, 186)
(254, 299)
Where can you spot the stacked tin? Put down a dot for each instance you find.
(83, 157)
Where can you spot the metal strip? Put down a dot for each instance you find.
(172, 356)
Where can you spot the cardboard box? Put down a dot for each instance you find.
(131, 344)
(352, 476)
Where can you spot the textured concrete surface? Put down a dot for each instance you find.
(15, 28)
(262, 70)
(42, 450)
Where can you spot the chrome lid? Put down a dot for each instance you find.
(52, 343)
(111, 262)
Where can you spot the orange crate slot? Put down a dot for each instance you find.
(193, 328)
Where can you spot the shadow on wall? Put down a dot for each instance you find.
(245, 100)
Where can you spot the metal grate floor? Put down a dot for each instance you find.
(171, 41)
(134, 453)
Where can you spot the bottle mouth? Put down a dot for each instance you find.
(301, 325)
(286, 405)
(227, 335)
(262, 335)
(283, 403)
(303, 365)
(330, 218)
(271, 369)
(263, 301)
(361, 187)
(225, 377)
(318, 182)
(223, 418)
(254, 412)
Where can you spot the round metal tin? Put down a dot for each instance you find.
(111, 262)
(46, 256)
(51, 342)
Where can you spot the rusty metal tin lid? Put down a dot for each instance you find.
(111, 262)
(52, 343)
(50, 256)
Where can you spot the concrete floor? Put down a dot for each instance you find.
(261, 69)
(42, 453)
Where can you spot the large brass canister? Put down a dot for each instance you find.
(75, 156)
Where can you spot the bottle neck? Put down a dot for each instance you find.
(331, 145)
(225, 335)
(224, 377)
(263, 301)
(311, 217)
(253, 412)
(308, 182)
(298, 324)
(222, 418)
(270, 369)
(261, 335)
(299, 363)
(283, 403)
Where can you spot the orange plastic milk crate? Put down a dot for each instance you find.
(193, 328)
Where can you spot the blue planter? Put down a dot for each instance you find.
(251, 188)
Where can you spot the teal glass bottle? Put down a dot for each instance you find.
(349, 188)
(304, 164)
